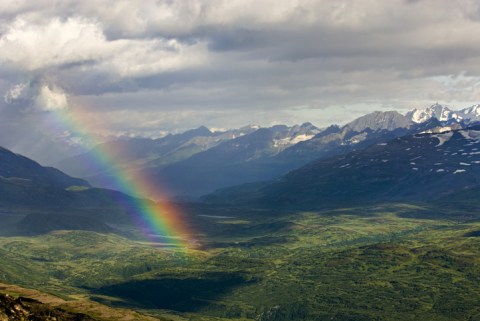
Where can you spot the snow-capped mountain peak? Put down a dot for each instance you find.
(475, 109)
(470, 112)
(440, 112)
(444, 114)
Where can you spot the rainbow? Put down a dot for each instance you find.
(157, 220)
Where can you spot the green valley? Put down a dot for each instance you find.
(370, 262)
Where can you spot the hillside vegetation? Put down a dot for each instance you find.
(389, 261)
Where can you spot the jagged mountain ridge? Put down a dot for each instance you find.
(191, 158)
(232, 163)
(445, 114)
(365, 130)
(414, 167)
(137, 153)
(198, 162)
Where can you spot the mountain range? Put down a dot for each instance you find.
(199, 161)
(424, 166)
(379, 156)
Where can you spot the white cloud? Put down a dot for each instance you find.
(77, 40)
(157, 64)
(133, 58)
(50, 99)
(33, 47)
(15, 92)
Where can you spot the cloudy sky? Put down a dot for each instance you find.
(147, 67)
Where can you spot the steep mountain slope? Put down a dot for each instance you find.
(30, 208)
(36, 199)
(243, 159)
(415, 167)
(16, 166)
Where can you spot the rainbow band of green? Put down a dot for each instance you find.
(158, 219)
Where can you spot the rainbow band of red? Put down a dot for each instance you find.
(157, 220)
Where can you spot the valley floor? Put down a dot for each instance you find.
(375, 262)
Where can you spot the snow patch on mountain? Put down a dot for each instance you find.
(289, 141)
(300, 138)
(439, 130)
(288, 136)
(443, 138)
(358, 138)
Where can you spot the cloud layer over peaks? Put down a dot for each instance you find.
(173, 64)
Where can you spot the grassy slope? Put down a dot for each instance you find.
(365, 263)
(79, 305)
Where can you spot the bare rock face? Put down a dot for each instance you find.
(24, 309)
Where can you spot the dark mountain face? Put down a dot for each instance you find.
(226, 164)
(16, 166)
(30, 208)
(415, 167)
(244, 159)
(35, 199)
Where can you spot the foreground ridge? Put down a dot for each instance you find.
(21, 304)
(22, 308)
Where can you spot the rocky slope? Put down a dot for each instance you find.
(25, 309)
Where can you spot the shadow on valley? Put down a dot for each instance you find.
(472, 234)
(184, 295)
